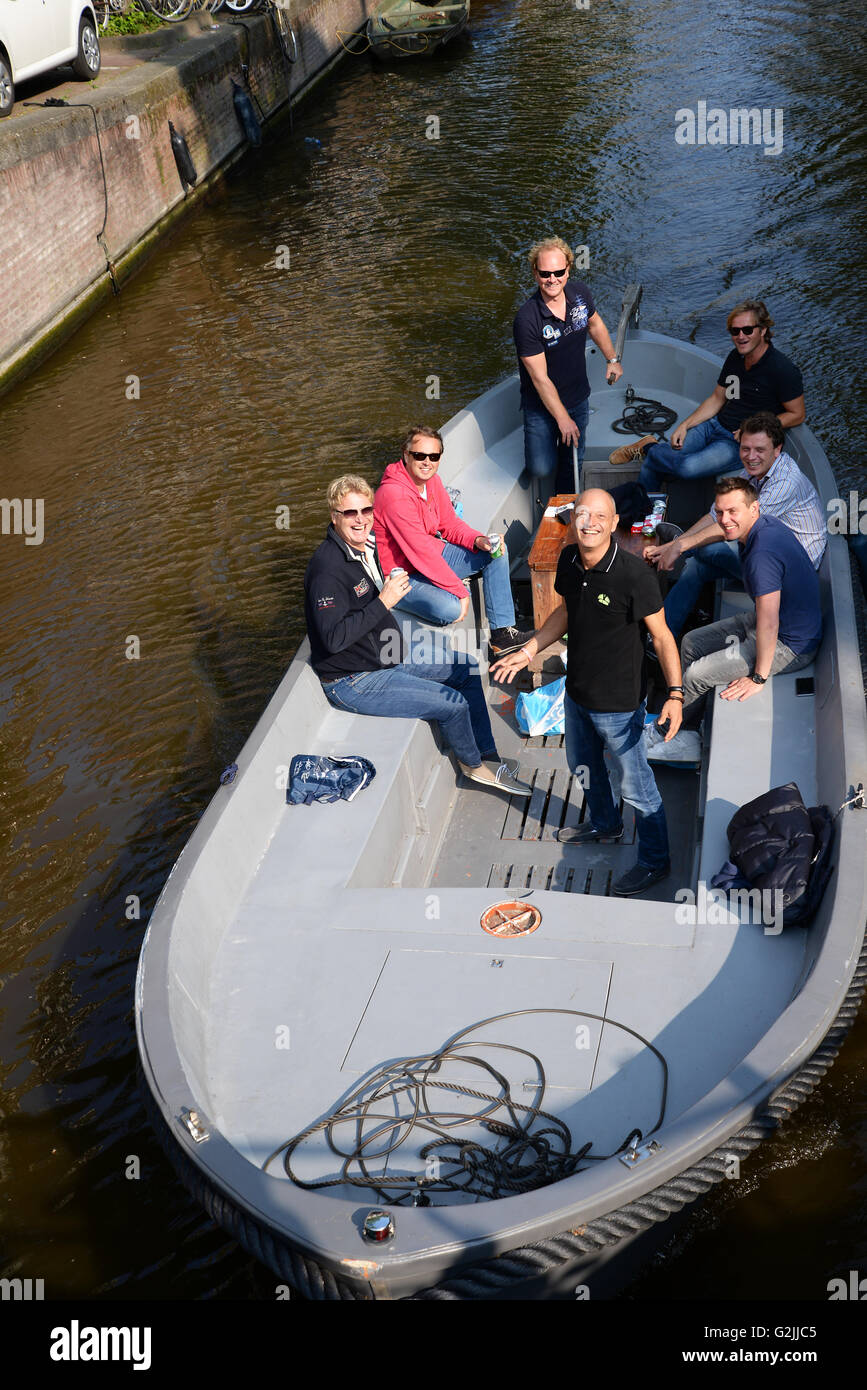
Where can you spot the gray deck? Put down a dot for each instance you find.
(510, 843)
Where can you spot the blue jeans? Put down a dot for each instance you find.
(707, 451)
(451, 693)
(544, 453)
(435, 605)
(588, 734)
(707, 563)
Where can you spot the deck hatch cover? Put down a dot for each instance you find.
(423, 997)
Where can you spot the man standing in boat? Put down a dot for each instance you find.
(356, 647)
(607, 594)
(550, 332)
(754, 377)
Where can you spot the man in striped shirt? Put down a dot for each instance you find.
(784, 493)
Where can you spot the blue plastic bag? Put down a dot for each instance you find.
(542, 711)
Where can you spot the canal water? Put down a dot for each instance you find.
(143, 637)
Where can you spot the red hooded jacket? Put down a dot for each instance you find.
(406, 526)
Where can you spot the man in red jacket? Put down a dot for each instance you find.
(417, 530)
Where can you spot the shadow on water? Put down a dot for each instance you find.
(86, 1108)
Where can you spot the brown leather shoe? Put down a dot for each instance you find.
(632, 453)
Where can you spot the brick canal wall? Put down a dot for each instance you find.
(52, 193)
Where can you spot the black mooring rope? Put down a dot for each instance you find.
(397, 1102)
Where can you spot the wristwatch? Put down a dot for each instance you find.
(759, 680)
(613, 359)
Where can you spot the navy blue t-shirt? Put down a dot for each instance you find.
(563, 342)
(773, 558)
(772, 380)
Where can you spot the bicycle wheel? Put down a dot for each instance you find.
(171, 10)
(102, 10)
(240, 6)
(285, 33)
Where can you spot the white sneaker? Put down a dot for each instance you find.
(685, 747)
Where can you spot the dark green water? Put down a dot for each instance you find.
(257, 385)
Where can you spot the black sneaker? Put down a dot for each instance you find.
(504, 640)
(587, 834)
(638, 879)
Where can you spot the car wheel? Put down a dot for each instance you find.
(88, 60)
(7, 87)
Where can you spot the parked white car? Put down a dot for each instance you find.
(38, 35)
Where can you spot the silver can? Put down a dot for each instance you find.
(495, 543)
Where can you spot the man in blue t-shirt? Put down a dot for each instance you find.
(783, 632)
(550, 332)
(754, 377)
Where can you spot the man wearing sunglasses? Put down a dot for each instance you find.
(783, 491)
(755, 377)
(418, 530)
(357, 651)
(550, 332)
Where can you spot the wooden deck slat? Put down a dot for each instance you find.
(559, 795)
(575, 805)
(533, 824)
(514, 823)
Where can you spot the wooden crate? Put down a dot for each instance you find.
(550, 539)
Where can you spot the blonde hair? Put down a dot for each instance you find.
(757, 307)
(550, 243)
(346, 483)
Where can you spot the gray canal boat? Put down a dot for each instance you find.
(605, 1067)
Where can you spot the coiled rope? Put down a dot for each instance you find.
(396, 1102)
(641, 415)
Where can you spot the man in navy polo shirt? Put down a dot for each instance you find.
(606, 596)
(783, 632)
(550, 332)
(754, 377)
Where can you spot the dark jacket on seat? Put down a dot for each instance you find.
(777, 843)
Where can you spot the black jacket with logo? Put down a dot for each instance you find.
(349, 627)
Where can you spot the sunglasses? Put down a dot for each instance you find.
(546, 274)
(743, 330)
(356, 511)
(419, 458)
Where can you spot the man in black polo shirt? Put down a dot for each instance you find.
(607, 594)
(754, 377)
(550, 332)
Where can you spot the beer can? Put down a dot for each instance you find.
(398, 569)
(496, 547)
